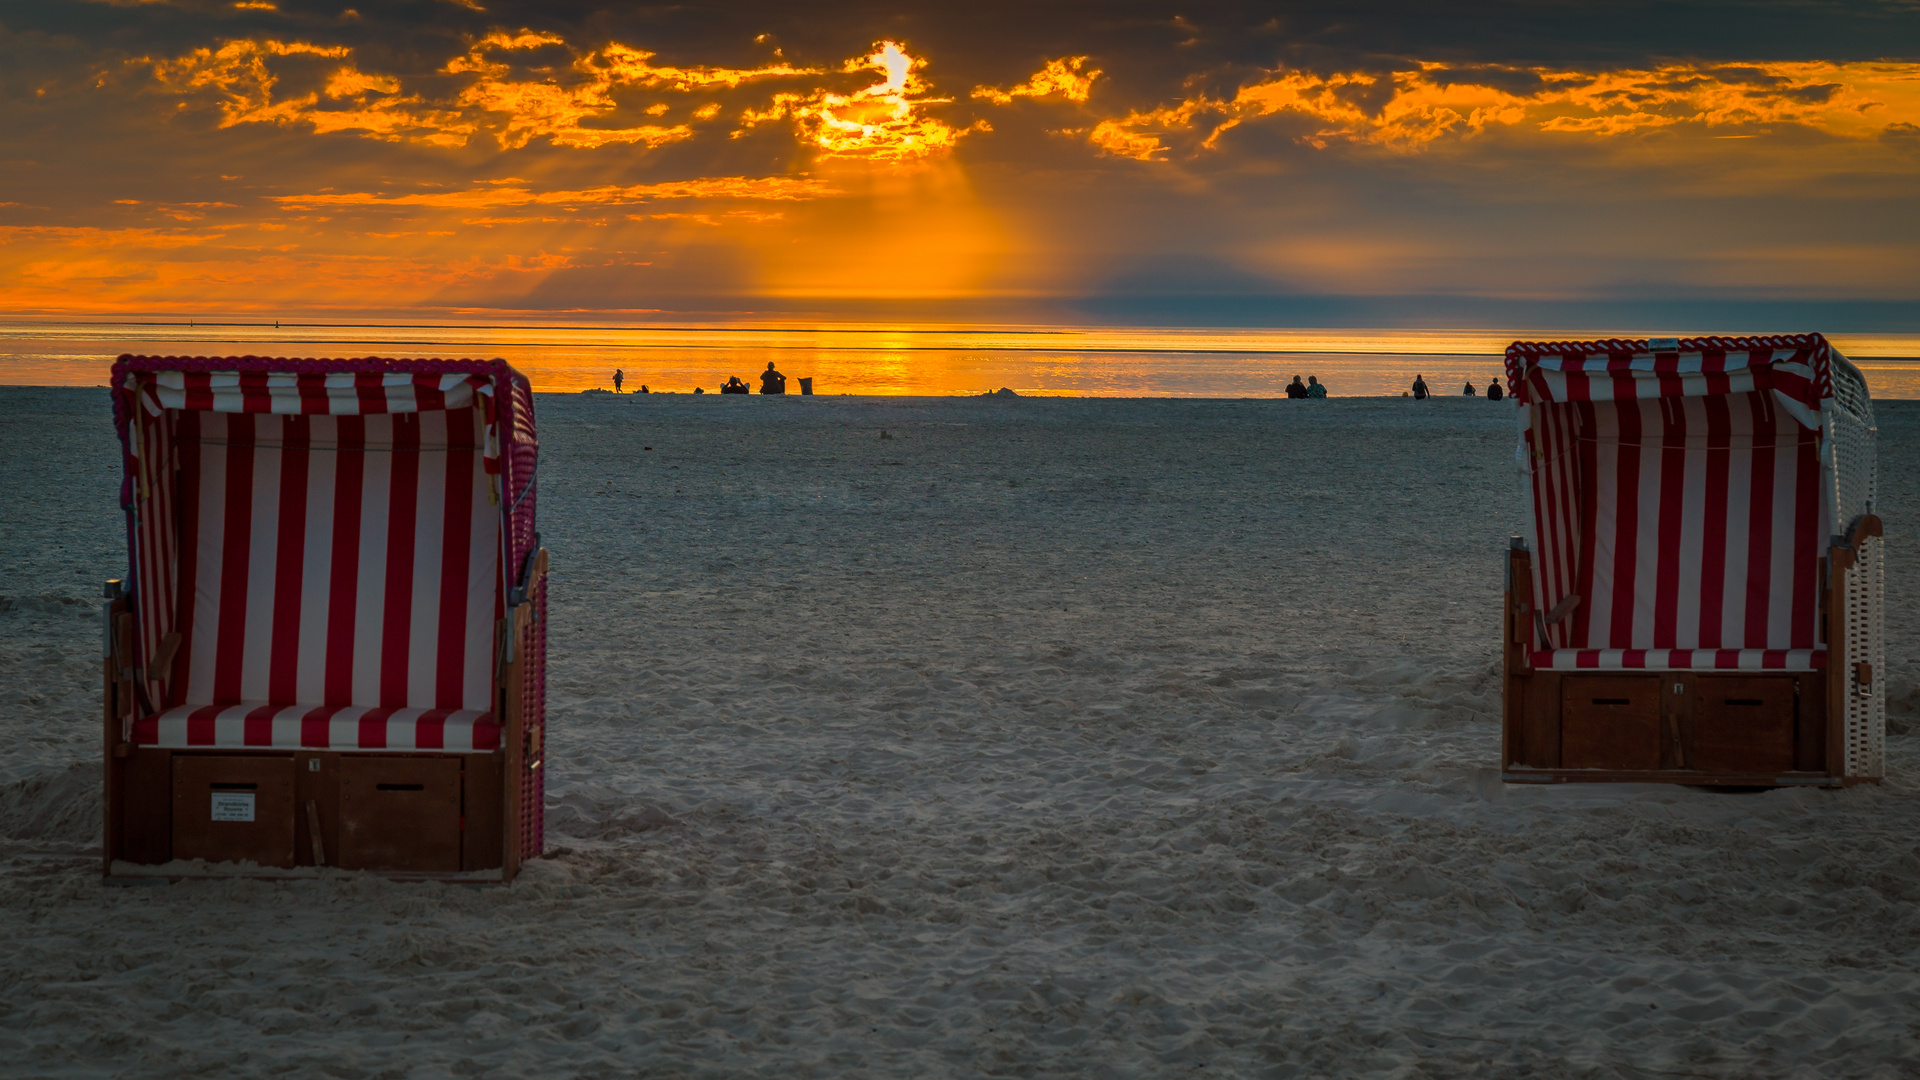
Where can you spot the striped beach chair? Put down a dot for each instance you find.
(330, 648)
(1699, 600)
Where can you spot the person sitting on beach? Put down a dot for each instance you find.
(771, 381)
(1494, 393)
(1314, 389)
(1419, 388)
(1296, 388)
(733, 385)
(618, 377)
(1470, 391)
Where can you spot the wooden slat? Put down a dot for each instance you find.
(1810, 732)
(1676, 719)
(146, 806)
(1541, 719)
(484, 801)
(1669, 776)
(320, 788)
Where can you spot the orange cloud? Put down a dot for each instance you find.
(238, 77)
(237, 74)
(882, 122)
(777, 188)
(885, 121)
(558, 110)
(1408, 110)
(1063, 77)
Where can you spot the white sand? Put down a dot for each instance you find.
(1045, 737)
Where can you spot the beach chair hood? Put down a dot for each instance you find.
(323, 550)
(1684, 493)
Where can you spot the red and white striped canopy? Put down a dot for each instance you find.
(1680, 500)
(323, 541)
(333, 393)
(1794, 367)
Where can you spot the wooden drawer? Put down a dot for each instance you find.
(1610, 722)
(1743, 723)
(229, 808)
(400, 813)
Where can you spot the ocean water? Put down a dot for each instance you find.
(1055, 361)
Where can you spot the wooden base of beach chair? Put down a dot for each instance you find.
(265, 811)
(383, 812)
(1706, 728)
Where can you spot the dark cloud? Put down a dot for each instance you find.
(1226, 150)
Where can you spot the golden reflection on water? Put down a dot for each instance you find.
(1098, 361)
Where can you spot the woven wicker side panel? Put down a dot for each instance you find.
(1851, 435)
(533, 781)
(1866, 713)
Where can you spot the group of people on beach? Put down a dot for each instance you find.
(771, 382)
(1420, 391)
(1313, 389)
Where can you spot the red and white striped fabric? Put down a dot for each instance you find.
(334, 393)
(338, 578)
(334, 727)
(1794, 368)
(1679, 496)
(1682, 659)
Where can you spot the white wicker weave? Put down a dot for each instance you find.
(1849, 457)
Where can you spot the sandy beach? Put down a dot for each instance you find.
(1101, 738)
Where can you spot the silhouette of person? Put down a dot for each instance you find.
(1469, 391)
(1314, 388)
(771, 381)
(1419, 388)
(618, 377)
(1296, 389)
(733, 385)
(1494, 393)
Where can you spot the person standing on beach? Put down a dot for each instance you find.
(1419, 387)
(618, 378)
(771, 381)
(1296, 389)
(1314, 389)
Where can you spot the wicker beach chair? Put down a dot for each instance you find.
(1700, 599)
(330, 649)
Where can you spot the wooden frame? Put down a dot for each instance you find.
(1711, 728)
(402, 814)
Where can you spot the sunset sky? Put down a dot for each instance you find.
(1034, 162)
